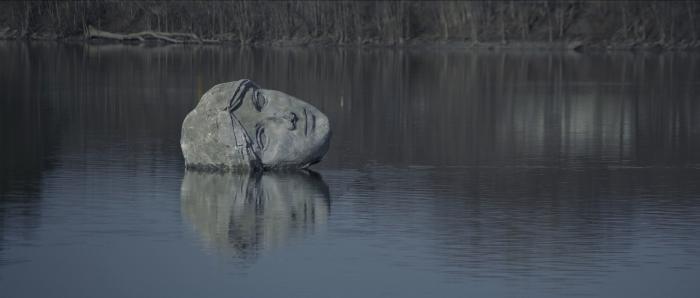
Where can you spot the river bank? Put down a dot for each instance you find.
(574, 25)
(575, 45)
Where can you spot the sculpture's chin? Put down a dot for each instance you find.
(322, 150)
(314, 156)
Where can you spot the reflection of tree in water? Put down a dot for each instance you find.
(241, 214)
(567, 223)
(69, 100)
(405, 106)
(30, 129)
(82, 102)
(456, 107)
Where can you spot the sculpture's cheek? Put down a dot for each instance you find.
(281, 148)
(293, 153)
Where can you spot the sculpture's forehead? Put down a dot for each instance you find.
(274, 92)
(286, 98)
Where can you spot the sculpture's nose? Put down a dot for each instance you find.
(288, 117)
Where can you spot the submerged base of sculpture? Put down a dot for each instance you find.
(238, 125)
(223, 168)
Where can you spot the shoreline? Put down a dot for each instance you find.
(552, 25)
(416, 43)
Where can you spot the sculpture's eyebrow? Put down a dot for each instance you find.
(237, 98)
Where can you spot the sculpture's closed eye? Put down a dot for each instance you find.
(259, 101)
(261, 137)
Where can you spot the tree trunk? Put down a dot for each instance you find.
(691, 17)
(502, 16)
(473, 24)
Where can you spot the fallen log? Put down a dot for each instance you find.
(171, 37)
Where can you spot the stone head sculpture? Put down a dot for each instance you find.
(239, 125)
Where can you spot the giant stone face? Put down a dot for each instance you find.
(239, 125)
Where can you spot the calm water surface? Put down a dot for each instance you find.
(450, 174)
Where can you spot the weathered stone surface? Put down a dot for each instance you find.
(239, 213)
(238, 125)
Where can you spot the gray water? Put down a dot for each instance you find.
(450, 174)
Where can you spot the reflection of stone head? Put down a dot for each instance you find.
(242, 213)
(239, 125)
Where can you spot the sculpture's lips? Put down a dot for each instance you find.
(313, 123)
(309, 122)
